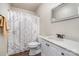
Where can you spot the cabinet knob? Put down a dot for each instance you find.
(62, 53)
(47, 44)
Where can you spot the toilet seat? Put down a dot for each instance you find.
(33, 44)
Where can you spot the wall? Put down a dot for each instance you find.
(70, 28)
(4, 8)
(44, 12)
(3, 43)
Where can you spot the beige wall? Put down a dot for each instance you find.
(3, 43)
(70, 28)
(4, 8)
(44, 11)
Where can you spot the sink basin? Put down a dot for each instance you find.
(53, 37)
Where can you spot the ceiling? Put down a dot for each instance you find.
(27, 6)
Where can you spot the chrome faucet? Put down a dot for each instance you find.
(60, 36)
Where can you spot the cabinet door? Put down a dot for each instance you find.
(62, 52)
(65, 52)
(51, 50)
(43, 47)
(48, 49)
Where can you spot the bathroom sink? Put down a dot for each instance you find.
(53, 37)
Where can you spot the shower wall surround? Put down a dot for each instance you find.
(24, 28)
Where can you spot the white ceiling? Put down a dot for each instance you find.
(28, 6)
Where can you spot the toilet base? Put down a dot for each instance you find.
(39, 54)
(34, 52)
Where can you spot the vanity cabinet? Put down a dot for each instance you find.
(51, 49)
(43, 48)
(47, 49)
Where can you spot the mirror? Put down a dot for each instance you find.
(65, 11)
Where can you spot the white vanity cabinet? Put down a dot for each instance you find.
(43, 47)
(51, 49)
(47, 49)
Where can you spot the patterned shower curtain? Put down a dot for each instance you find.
(24, 28)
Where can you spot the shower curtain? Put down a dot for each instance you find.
(24, 28)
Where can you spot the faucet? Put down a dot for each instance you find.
(60, 36)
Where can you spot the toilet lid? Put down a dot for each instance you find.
(34, 43)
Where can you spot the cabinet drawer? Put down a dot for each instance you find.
(65, 52)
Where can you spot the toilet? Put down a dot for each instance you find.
(34, 48)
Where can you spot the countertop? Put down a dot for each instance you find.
(65, 43)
